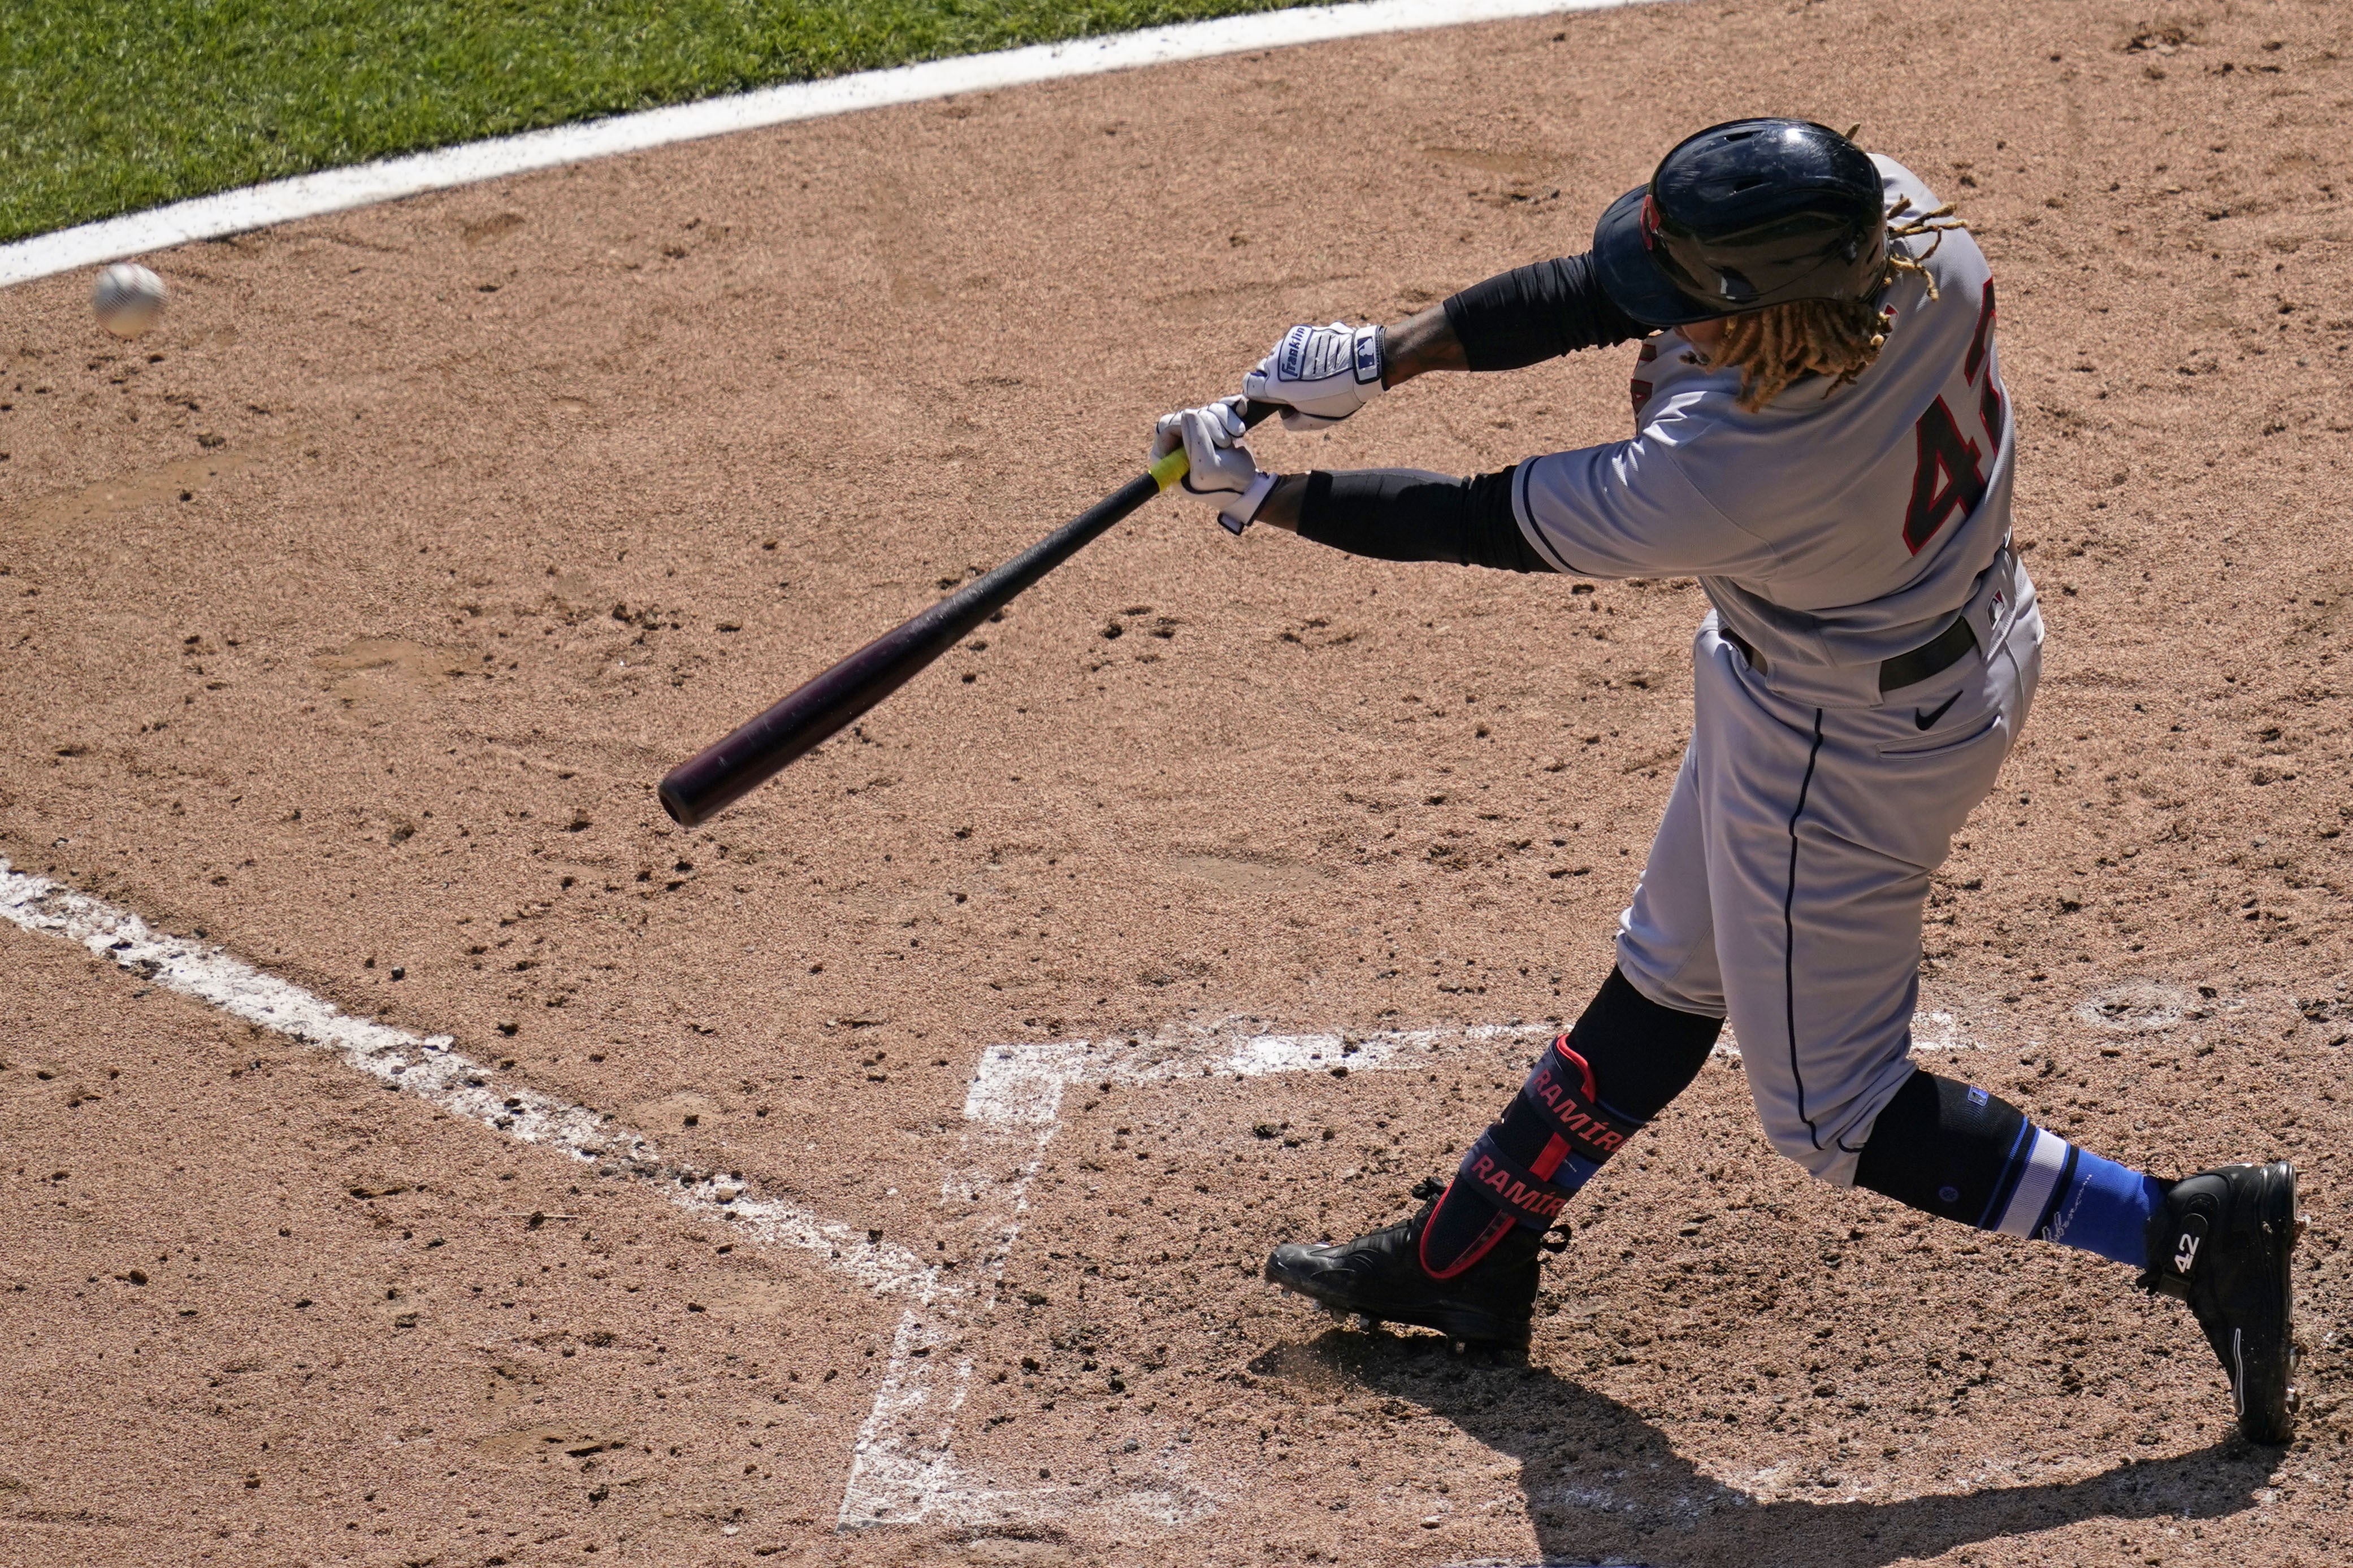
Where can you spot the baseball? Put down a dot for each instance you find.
(127, 299)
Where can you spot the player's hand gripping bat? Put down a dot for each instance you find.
(719, 775)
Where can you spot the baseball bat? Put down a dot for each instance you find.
(724, 772)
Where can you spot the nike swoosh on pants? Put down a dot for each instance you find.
(1928, 720)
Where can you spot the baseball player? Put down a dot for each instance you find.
(1823, 438)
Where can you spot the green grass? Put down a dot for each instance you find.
(109, 106)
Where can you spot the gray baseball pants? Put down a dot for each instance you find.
(1785, 889)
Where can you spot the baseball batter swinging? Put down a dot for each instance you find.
(1823, 438)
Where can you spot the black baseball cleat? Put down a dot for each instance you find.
(2220, 1242)
(1380, 1277)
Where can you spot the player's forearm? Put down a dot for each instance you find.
(1281, 508)
(1403, 514)
(1517, 318)
(1419, 344)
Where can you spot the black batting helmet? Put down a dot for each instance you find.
(1745, 214)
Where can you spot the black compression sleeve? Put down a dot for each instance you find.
(1538, 313)
(1642, 1054)
(1403, 514)
(1941, 1147)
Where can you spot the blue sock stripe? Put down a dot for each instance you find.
(2100, 1206)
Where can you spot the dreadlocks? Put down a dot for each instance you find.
(1839, 338)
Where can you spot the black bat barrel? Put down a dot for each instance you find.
(716, 777)
(720, 775)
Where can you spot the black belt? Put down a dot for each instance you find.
(1933, 656)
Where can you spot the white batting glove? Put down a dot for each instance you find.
(1218, 468)
(1320, 375)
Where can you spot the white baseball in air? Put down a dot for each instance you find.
(127, 299)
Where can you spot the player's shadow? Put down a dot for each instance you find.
(1601, 1483)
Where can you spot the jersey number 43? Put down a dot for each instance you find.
(1950, 474)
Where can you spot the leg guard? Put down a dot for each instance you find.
(1561, 1106)
(1559, 1130)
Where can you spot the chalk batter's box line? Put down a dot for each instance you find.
(429, 1066)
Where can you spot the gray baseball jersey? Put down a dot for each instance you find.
(1833, 530)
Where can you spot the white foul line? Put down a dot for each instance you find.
(334, 190)
(425, 1066)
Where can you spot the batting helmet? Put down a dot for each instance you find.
(1745, 214)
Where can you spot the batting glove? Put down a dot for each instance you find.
(1218, 468)
(1320, 375)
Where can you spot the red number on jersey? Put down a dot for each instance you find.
(1947, 478)
(1990, 414)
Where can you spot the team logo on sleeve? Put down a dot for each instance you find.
(1638, 386)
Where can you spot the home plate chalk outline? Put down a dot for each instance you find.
(902, 1466)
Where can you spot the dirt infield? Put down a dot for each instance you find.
(351, 618)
